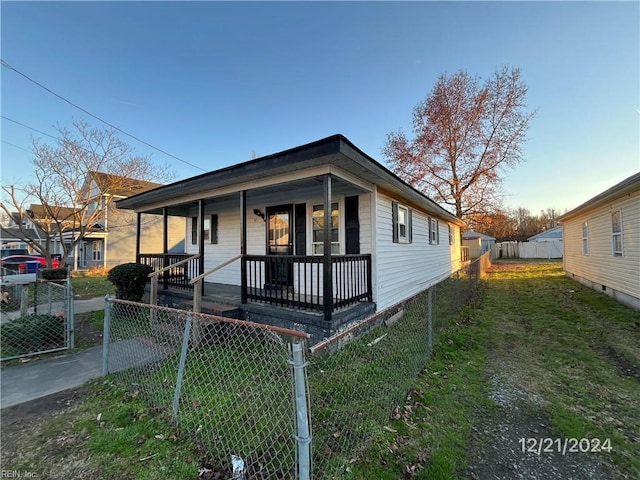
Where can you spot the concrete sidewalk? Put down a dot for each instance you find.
(39, 378)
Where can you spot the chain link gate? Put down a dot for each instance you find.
(36, 317)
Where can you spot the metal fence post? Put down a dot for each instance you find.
(105, 336)
(458, 290)
(71, 315)
(49, 298)
(430, 319)
(183, 359)
(24, 299)
(303, 433)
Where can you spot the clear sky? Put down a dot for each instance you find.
(215, 83)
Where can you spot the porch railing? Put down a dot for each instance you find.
(465, 254)
(297, 281)
(178, 273)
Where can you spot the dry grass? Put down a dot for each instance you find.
(91, 273)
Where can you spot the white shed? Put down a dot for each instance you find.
(478, 243)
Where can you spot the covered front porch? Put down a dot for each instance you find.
(272, 252)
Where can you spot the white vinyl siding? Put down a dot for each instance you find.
(228, 246)
(402, 270)
(621, 273)
(228, 211)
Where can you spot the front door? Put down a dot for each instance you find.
(279, 271)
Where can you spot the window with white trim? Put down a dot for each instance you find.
(207, 228)
(96, 248)
(317, 227)
(616, 231)
(402, 223)
(451, 235)
(585, 238)
(434, 234)
(210, 233)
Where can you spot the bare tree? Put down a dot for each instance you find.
(465, 134)
(75, 180)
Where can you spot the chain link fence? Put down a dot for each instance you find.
(226, 383)
(359, 379)
(246, 394)
(36, 317)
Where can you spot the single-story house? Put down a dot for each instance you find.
(312, 237)
(602, 242)
(478, 243)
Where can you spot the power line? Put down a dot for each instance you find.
(45, 133)
(30, 128)
(16, 146)
(6, 65)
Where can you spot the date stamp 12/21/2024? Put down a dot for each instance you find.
(564, 446)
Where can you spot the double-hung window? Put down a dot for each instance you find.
(96, 248)
(318, 229)
(434, 234)
(616, 231)
(210, 234)
(402, 219)
(585, 238)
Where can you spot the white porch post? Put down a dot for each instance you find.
(75, 254)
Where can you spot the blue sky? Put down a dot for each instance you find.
(214, 83)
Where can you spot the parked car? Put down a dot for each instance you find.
(7, 252)
(20, 263)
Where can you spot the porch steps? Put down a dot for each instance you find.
(216, 308)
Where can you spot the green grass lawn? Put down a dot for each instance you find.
(371, 419)
(576, 348)
(88, 287)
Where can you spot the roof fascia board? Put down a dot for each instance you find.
(201, 183)
(625, 187)
(250, 185)
(410, 193)
(348, 177)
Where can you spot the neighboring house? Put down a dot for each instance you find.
(110, 239)
(31, 229)
(547, 244)
(298, 263)
(478, 243)
(602, 242)
(551, 235)
(10, 237)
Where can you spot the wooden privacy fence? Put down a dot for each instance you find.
(527, 250)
